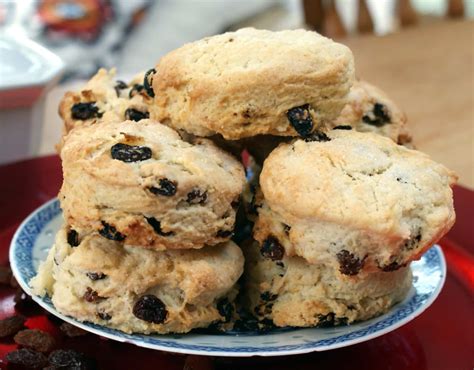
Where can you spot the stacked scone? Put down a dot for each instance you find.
(341, 207)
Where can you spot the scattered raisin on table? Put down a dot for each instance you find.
(28, 358)
(111, 233)
(130, 153)
(148, 82)
(151, 309)
(166, 188)
(37, 340)
(349, 264)
(195, 196)
(83, 111)
(136, 115)
(71, 330)
(11, 325)
(301, 120)
(379, 116)
(156, 225)
(271, 248)
(73, 238)
(70, 359)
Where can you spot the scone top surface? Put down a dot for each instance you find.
(360, 191)
(156, 189)
(242, 83)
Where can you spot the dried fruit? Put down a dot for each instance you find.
(329, 320)
(71, 330)
(349, 264)
(156, 225)
(83, 111)
(195, 196)
(166, 188)
(96, 275)
(286, 229)
(111, 233)
(136, 89)
(226, 309)
(268, 296)
(343, 127)
(130, 153)
(271, 248)
(73, 238)
(413, 241)
(135, 115)
(301, 120)
(104, 316)
(92, 296)
(317, 136)
(37, 340)
(379, 116)
(393, 266)
(28, 358)
(120, 85)
(69, 359)
(11, 325)
(148, 82)
(151, 309)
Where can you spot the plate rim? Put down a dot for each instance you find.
(188, 348)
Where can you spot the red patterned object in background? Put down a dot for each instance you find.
(441, 338)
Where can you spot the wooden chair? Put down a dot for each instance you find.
(322, 16)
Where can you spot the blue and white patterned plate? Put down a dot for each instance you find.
(36, 234)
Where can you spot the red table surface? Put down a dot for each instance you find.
(441, 338)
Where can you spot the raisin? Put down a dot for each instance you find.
(83, 111)
(226, 309)
(96, 275)
(148, 82)
(392, 267)
(5, 275)
(92, 296)
(235, 204)
(120, 85)
(11, 325)
(271, 248)
(224, 233)
(329, 320)
(286, 229)
(28, 358)
(72, 331)
(413, 241)
(196, 197)
(317, 136)
(167, 188)
(23, 301)
(135, 115)
(342, 127)
(280, 264)
(136, 89)
(37, 340)
(268, 296)
(111, 233)
(104, 316)
(151, 309)
(301, 119)
(70, 359)
(156, 225)
(130, 153)
(378, 117)
(73, 238)
(349, 264)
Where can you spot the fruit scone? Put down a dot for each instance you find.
(105, 99)
(251, 82)
(137, 290)
(141, 183)
(368, 109)
(289, 291)
(357, 201)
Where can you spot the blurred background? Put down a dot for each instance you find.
(420, 52)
